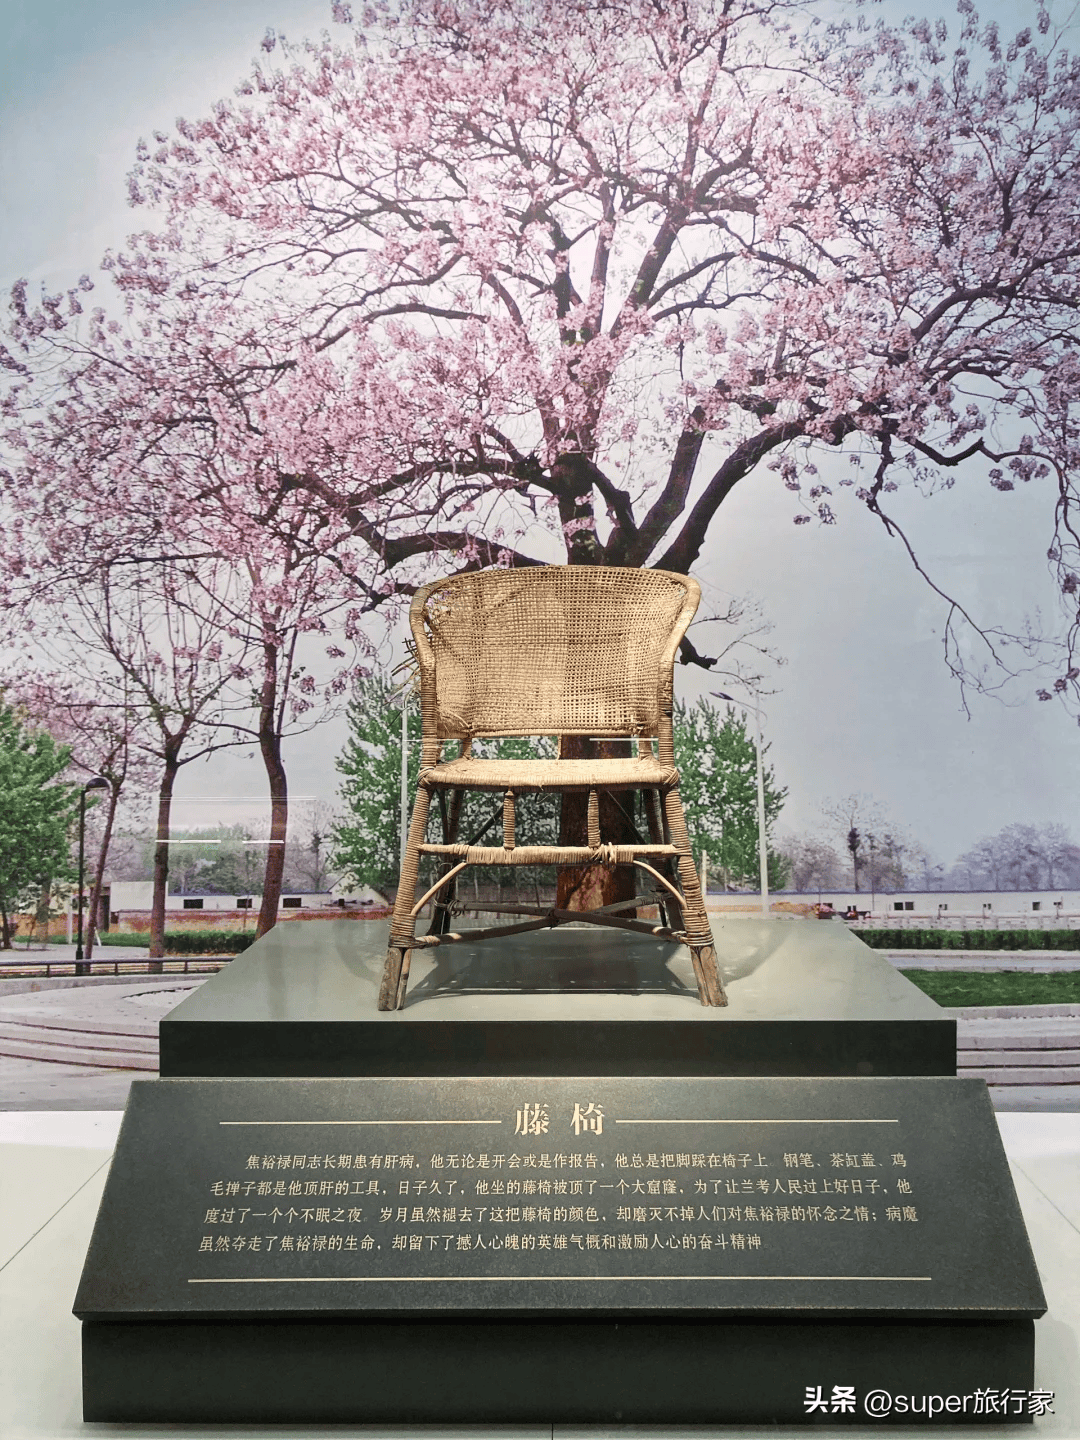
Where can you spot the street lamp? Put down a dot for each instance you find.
(763, 852)
(97, 783)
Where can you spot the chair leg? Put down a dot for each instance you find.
(440, 910)
(696, 922)
(392, 992)
(650, 799)
(395, 958)
(676, 919)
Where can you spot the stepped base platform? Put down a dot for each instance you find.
(805, 998)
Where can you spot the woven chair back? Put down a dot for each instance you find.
(550, 650)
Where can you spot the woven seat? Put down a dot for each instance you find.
(643, 771)
(551, 650)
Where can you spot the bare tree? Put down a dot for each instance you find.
(308, 853)
(853, 818)
(815, 865)
(1023, 857)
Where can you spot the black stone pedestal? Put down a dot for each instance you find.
(629, 1372)
(805, 998)
(541, 1248)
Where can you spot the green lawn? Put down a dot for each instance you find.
(1006, 987)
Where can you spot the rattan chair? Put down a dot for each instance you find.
(551, 650)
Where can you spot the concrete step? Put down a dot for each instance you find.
(975, 1058)
(97, 1050)
(145, 1032)
(1030, 1044)
(83, 1037)
(69, 1055)
(1022, 1074)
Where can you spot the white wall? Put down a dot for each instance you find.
(139, 895)
(943, 905)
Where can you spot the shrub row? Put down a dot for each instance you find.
(187, 942)
(969, 939)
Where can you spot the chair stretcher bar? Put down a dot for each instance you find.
(549, 854)
(548, 922)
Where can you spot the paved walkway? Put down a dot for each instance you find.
(1029, 962)
(70, 1044)
(77, 1045)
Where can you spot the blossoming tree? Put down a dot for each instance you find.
(501, 281)
(583, 269)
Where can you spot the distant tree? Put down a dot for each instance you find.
(928, 870)
(984, 864)
(887, 850)
(37, 810)
(717, 765)
(1025, 860)
(1053, 854)
(1060, 855)
(309, 862)
(219, 860)
(1022, 857)
(812, 862)
(852, 819)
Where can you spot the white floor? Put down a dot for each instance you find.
(53, 1166)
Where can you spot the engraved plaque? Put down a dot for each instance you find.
(552, 1196)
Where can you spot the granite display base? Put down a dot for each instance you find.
(629, 1372)
(422, 1264)
(805, 998)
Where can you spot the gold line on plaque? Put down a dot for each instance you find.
(359, 1122)
(758, 1122)
(516, 1279)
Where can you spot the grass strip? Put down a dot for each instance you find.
(1003, 987)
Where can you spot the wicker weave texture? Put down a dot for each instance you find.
(526, 775)
(566, 650)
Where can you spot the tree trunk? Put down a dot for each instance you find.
(585, 887)
(270, 745)
(161, 859)
(99, 869)
(5, 928)
(279, 824)
(41, 914)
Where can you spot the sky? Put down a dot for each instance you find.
(864, 702)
